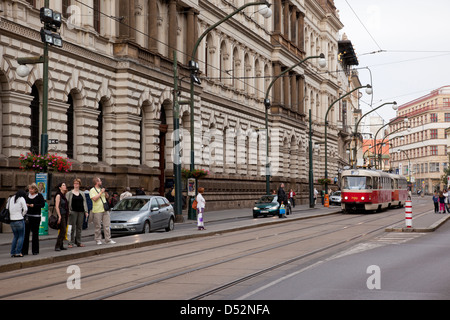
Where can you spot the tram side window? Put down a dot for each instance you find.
(369, 183)
(375, 182)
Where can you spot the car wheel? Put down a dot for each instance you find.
(255, 215)
(171, 225)
(146, 228)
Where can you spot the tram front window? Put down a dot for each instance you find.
(357, 183)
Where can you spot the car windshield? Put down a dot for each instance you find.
(130, 205)
(336, 193)
(267, 199)
(357, 183)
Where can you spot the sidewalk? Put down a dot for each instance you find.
(238, 219)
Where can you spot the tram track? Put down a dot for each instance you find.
(124, 255)
(120, 289)
(274, 267)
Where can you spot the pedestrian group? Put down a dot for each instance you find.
(71, 210)
(440, 201)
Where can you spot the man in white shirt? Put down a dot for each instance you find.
(126, 193)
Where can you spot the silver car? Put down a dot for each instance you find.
(142, 214)
(335, 198)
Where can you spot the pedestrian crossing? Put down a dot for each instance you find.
(391, 238)
(398, 237)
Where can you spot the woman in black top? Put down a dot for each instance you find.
(62, 210)
(78, 210)
(35, 202)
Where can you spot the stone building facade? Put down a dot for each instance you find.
(111, 93)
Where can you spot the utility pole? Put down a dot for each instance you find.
(176, 144)
(49, 36)
(311, 173)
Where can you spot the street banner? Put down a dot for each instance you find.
(42, 184)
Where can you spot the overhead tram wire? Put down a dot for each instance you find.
(379, 47)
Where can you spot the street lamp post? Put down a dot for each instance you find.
(322, 64)
(368, 91)
(376, 133)
(409, 163)
(193, 66)
(380, 151)
(357, 123)
(49, 36)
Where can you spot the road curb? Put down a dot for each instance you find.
(431, 228)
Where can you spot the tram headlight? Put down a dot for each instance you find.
(362, 198)
(346, 197)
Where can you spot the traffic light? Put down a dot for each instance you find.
(52, 22)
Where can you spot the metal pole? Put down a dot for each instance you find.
(375, 137)
(380, 151)
(311, 173)
(267, 152)
(176, 144)
(44, 135)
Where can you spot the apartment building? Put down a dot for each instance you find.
(419, 147)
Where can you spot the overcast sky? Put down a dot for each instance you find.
(415, 39)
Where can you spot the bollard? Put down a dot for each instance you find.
(326, 202)
(408, 213)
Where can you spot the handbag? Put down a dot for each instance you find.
(105, 204)
(5, 215)
(194, 204)
(53, 222)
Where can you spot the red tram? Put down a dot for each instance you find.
(370, 190)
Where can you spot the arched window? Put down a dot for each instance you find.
(235, 68)
(223, 63)
(247, 73)
(96, 14)
(32, 2)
